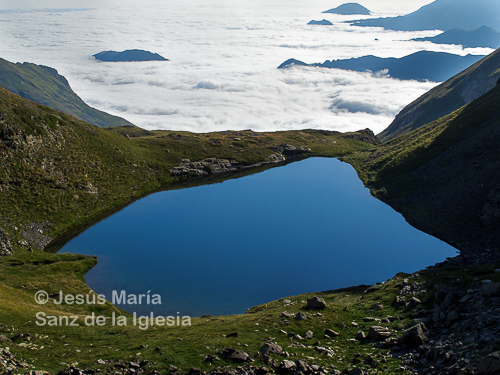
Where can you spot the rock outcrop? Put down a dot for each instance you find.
(5, 245)
(215, 165)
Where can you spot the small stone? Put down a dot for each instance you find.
(309, 335)
(172, 368)
(377, 306)
(331, 333)
(301, 316)
(360, 336)
(452, 317)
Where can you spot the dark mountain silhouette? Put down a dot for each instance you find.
(349, 9)
(483, 36)
(421, 66)
(443, 15)
(129, 55)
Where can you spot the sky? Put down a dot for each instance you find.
(224, 54)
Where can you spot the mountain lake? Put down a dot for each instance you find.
(308, 226)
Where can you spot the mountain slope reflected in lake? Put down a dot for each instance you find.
(220, 249)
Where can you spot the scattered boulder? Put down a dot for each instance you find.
(270, 347)
(309, 335)
(360, 336)
(316, 303)
(377, 306)
(452, 317)
(378, 333)
(287, 365)
(355, 371)
(416, 335)
(489, 364)
(236, 355)
(491, 289)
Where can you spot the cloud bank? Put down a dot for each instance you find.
(223, 58)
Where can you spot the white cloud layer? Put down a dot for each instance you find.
(223, 57)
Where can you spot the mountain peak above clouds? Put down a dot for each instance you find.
(349, 9)
(129, 55)
(443, 15)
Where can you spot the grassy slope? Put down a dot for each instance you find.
(446, 98)
(44, 85)
(439, 176)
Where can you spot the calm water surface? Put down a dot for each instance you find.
(220, 249)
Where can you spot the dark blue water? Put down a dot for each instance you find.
(220, 249)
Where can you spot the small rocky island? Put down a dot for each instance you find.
(129, 55)
(322, 22)
(349, 9)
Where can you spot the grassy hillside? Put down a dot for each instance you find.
(45, 86)
(443, 177)
(447, 97)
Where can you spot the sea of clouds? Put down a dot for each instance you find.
(224, 55)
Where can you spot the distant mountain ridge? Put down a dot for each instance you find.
(447, 97)
(45, 86)
(421, 66)
(443, 15)
(483, 36)
(128, 56)
(349, 9)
